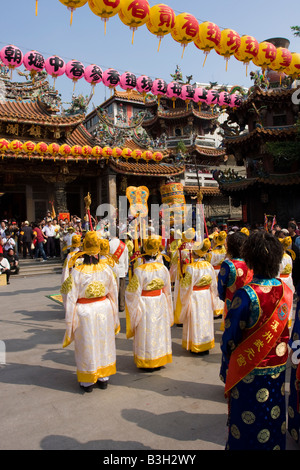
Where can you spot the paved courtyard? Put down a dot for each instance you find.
(181, 407)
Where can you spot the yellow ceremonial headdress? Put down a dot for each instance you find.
(103, 246)
(286, 243)
(152, 245)
(220, 238)
(76, 241)
(91, 243)
(201, 248)
(188, 235)
(245, 231)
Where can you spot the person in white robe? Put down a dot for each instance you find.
(149, 310)
(197, 294)
(91, 313)
(216, 257)
(286, 268)
(74, 249)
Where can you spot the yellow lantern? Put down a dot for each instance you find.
(282, 61)
(105, 9)
(134, 13)
(157, 156)
(136, 154)
(86, 152)
(16, 146)
(97, 152)
(147, 155)
(65, 150)
(42, 148)
(28, 147)
(294, 68)
(53, 149)
(207, 38)
(126, 153)
(229, 43)
(247, 50)
(161, 21)
(117, 153)
(266, 54)
(72, 5)
(107, 153)
(4, 146)
(76, 151)
(185, 29)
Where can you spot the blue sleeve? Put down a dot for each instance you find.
(223, 278)
(295, 333)
(237, 315)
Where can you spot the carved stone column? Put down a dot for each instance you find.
(60, 196)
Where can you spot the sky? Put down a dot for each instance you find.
(50, 33)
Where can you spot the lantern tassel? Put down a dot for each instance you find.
(226, 63)
(159, 42)
(36, 7)
(205, 59)
(71, 19)
(132, 37)
(246, 69)
(183, 51)
(105, 27)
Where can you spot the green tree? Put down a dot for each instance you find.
(296, 30)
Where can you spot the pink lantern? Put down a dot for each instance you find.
(74, 71)
(235, 101)
(93, 74)
(224, 99)
(144, 85)
(200, 95)
(111, 78)
(11, 56)
(55, 66)
(127, 81)
(187, 94)
(212, 98)
(159, 88)
(174, 91)
(34, 62)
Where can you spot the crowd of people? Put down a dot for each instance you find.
(249, 278)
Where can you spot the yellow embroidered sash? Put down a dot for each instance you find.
(256, 347)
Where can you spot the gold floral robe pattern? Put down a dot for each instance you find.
(197, 306)
(92, 326)
(149, 318)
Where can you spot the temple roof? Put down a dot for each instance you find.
(146, 169)
(269, 133)
(207, 191)
(179, 113)
(35, 112)
(286, 179)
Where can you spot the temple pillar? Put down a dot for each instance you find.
(30, 210)
(60, 196)
(112, 190)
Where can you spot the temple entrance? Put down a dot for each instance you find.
(13, 206)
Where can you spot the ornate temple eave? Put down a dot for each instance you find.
(267, 96)
(146, 169)
(35, 113)
(206, 191)
(265, 133)
(178, 114)
(287, 179)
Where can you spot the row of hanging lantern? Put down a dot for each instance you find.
(55, 66)
(184, 28)
(64, 151)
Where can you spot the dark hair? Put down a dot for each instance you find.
(235, 242)
(263, 253)
(87, 259)
(292, 225)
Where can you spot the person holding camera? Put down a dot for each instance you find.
(4, 267)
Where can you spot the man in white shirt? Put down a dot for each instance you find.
(119, 251)
(49, 233)
(4, 267)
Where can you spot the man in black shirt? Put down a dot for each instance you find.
(13, 260)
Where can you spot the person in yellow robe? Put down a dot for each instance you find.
(216, 257)
(91, 313)
(198, 291)
(74, 249)
(149, 310)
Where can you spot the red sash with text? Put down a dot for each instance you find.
(119, 251)
(255, 347)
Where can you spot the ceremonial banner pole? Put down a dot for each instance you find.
(88, 201)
